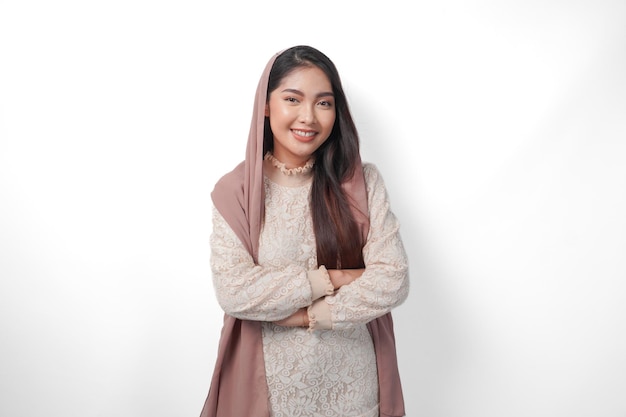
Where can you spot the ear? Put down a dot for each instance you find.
(267, 110)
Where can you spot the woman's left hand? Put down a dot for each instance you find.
(298, 319)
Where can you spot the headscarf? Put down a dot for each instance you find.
(239, 385)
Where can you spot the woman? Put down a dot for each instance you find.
(307, 259)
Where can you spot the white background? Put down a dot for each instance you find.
(500, 129)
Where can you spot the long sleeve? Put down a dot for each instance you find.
(253, 292)
(385, 282)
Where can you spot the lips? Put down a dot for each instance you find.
(304, 135)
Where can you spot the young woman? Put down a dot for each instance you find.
(307, 259)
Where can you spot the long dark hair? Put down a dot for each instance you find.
(338, 239)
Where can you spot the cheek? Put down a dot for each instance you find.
(280, 119)
(328, 120)
(280, 113)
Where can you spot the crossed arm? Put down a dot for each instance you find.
(290, 295)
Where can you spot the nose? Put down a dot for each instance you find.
(307, 114)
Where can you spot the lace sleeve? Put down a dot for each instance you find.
(249, 291)
(385, 282)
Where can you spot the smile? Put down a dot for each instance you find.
(306, 134)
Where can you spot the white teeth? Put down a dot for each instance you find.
(303, 133)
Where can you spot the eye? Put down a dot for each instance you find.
(325, 103)
(291, 99)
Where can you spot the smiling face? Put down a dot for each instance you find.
(301, 111)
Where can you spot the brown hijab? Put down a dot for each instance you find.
(239, 386)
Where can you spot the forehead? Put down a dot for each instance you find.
(306, 78)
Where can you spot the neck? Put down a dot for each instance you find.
(302, 169)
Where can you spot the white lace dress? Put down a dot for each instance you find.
(330, 368)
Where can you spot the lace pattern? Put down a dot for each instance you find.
(323, 372)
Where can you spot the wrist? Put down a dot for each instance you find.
(336, 278)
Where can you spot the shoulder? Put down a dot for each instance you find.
(369, 167)
(233, 177)
(372, 175)
(229, 183)
(228, 192)
(375, 185)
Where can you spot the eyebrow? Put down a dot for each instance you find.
(318, 95)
